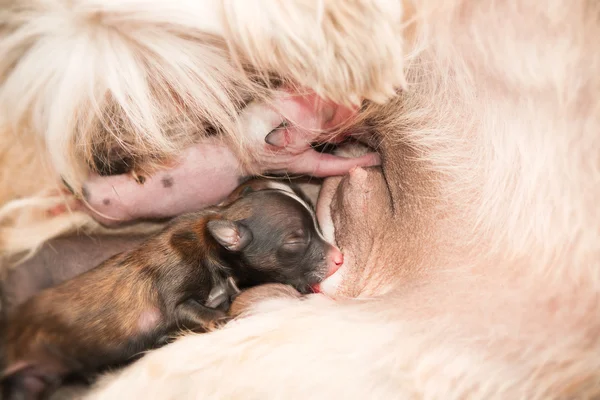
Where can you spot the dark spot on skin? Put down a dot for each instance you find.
(167, 181)
(106, 202)
(141, 179)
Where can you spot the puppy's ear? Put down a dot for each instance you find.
(232, 235)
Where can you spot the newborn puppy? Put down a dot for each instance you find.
(66, 257)
(129, 303)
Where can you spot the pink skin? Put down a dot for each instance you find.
(206, 174)
(148, 320)
(288, 149)
(208, 171)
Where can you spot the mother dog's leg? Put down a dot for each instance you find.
(145, 78)
(341, 49)
(130, 82)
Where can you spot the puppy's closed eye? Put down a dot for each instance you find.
(296, 240)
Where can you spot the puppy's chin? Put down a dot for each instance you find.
(332, 285)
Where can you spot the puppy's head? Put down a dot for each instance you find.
(272, 235)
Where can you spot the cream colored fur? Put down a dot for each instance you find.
(492, 149)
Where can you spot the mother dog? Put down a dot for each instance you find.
(472, 256)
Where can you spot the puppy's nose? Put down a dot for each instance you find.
(335, 261)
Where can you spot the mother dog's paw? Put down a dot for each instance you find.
(346, 51)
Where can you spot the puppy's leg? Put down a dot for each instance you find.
(195, 316)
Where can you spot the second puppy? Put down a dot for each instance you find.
(264, 233)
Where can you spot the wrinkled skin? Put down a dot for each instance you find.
(346, 207)
(367, 211)
(208, 171)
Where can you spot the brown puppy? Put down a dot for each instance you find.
(129, 303)
(66, 257)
